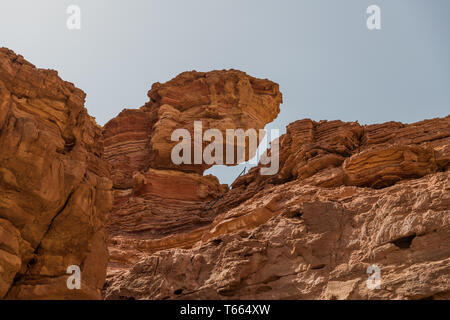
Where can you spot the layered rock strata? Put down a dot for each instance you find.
(54, 186)
(157, 200)
(331, 154)
(347, 199)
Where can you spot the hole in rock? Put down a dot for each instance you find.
(297, 214)
(216, 241)
(32, 262)
(69, 144)
(405, 242)
(293, 213)
(17, 278)
(178, 292)
(313, 154)
(229, 291)
(318, 266)
(381, 184)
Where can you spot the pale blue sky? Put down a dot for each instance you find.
(328, 64)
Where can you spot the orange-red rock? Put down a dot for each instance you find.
(296, 241)
(346, 197)
(154, 198)
(54, 186)
(219, 99)
(334, 153)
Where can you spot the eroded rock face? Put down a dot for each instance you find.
(161, 203)
(219, 99)
(346, 197)
(155, 198)
(54, 186)
(331, 154)
(296, 241)
(138, 139)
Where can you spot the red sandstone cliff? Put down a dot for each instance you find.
(154, 198)
(346, 197)
(54, 186)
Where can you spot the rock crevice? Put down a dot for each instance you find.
(50, 166)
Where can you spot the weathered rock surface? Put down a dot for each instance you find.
(334, 153)
(54, 186)
(154, 198)
(346, 197)
(297, 241)
(219, 99)
(138, 139)
(161, 203)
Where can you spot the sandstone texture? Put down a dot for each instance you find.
(347, 197)
(331, 154)
(155, 198)
(138, 139)
(54, 187)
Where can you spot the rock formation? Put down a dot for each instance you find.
(54, 186)
(347, 197)
(138, 139)
(154, 198)
(331, 154)
(347, 200)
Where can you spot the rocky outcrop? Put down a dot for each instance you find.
(155, 198)
(347, 198)
(219, 99)
(54, 186)
(331, 154)
(138, 139)
(296, 241)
